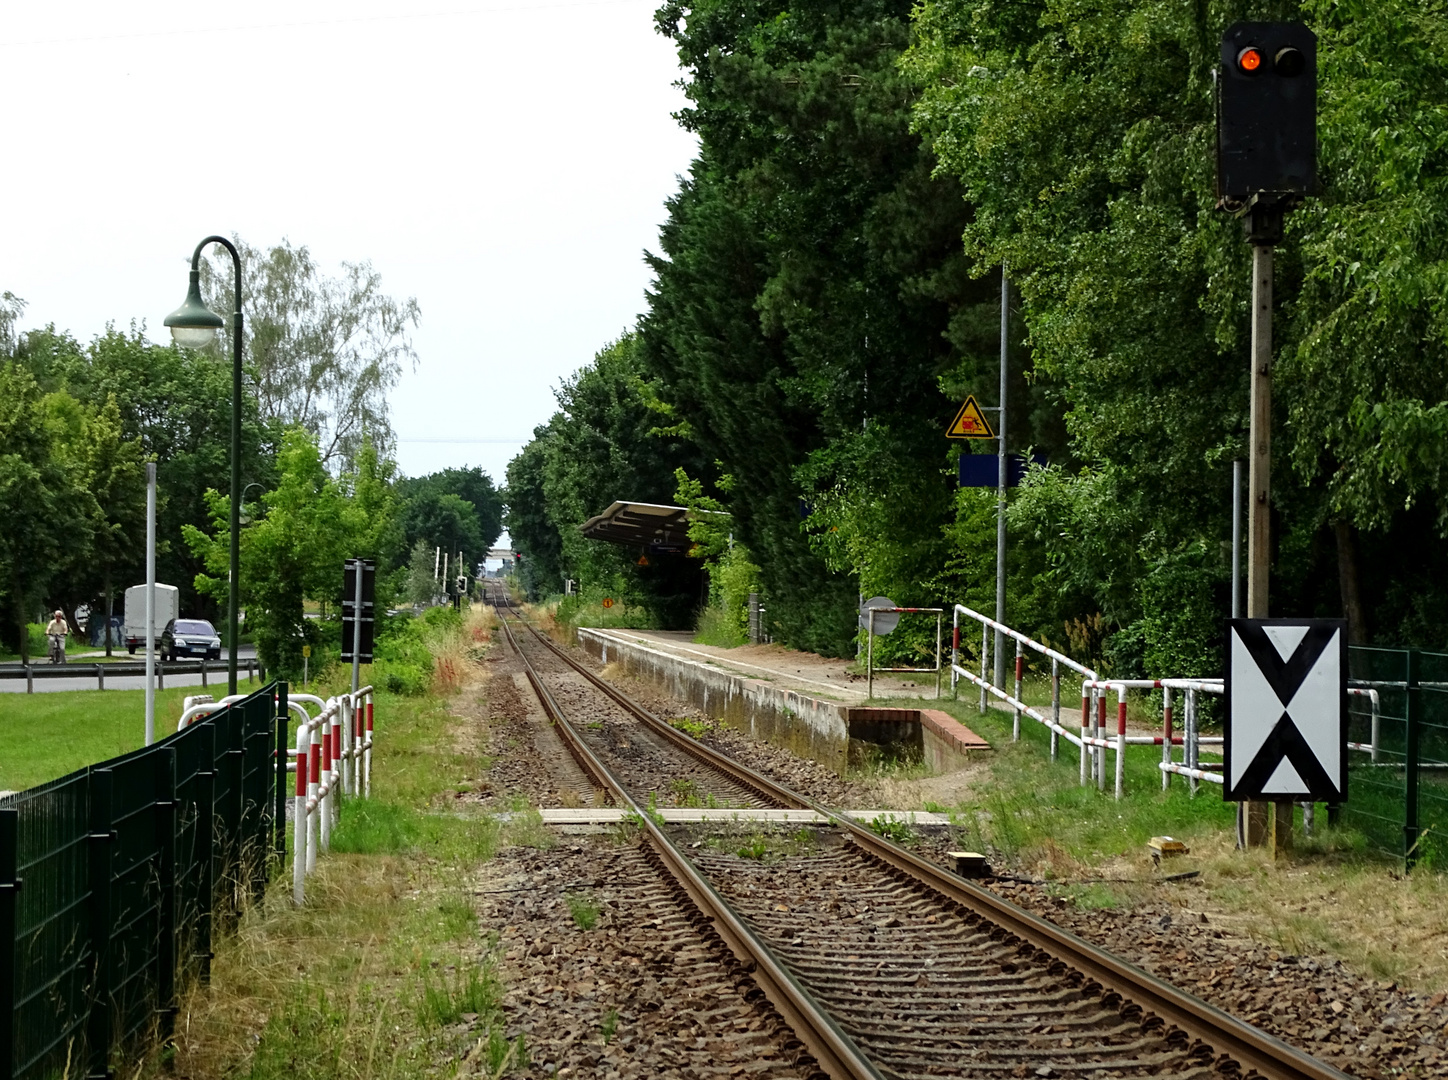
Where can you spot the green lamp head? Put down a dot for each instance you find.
(193, 324)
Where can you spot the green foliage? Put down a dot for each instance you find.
(583, 908)
(885, 825)
(732, 574)
(456, 510)
(467, 988)
(812, 318)
(602, 446)
(313, 522)
(322, 353)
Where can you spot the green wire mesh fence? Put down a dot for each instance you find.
(114, 880)
(1398, 782)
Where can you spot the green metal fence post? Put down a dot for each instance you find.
(166, 999)
(236, 760)
(283, 744)
(99, 840)
(206, 838)
(9, 885)
(1410, 765)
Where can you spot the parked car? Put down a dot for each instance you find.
(190, 637)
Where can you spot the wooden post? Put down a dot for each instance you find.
(1281, 828)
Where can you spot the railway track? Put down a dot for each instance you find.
(885, 965)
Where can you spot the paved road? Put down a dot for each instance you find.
(128, 682)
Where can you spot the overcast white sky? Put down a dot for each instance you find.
(506, 162)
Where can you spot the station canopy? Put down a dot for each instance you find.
(662, 529)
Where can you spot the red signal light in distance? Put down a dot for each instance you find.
(1250, 60)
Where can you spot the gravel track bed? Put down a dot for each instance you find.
(644, 762)
(1363, 1027)
(681, 1005)
(923, 987)
(808, 778)
(528, 759)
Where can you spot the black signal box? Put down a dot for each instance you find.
(1266, 112)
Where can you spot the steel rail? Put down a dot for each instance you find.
(1230, 1038)
(833, 1050)
(766, 789)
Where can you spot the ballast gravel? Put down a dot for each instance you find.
(1364, 1027)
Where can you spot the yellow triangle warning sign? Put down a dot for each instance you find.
(970, 422)
(643, 560)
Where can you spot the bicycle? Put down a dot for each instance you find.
(57, 648)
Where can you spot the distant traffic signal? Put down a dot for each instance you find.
(1267, 111)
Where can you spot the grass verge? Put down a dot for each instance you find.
(385, 973)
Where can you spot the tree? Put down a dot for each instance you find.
(176, 403)
(812, 314)
(323, 352)
(44, 502)
(111, 468)
(421, 498)
(313, 523)
(604, 445)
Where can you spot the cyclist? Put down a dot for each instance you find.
(56, 631)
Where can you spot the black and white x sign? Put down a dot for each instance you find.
(1286, 688)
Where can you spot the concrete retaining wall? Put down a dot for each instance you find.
(808, 726)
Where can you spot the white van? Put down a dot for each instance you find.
(168, 604)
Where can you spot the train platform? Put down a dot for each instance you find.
(805, 673)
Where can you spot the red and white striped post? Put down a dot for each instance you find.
(299, 815)
(1120, 741)
(1016, 724)
(367, 754)
(314, 777)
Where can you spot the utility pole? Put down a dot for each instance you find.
(1003, 464)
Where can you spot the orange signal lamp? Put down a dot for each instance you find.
(1250, 60)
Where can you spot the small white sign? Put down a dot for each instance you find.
(1286, 730)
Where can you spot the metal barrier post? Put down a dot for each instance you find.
(954, 654)
(1410, 765)
(1055, 707)
(299, 815)
(367, 754)
(100, 676)
(314, 776)
(984, 646)
(1190, 749)
(1166, 738)
(343, 745)
(1100, 748)
(1016, 723)
(1086, 699)
(1120, 741)
(939, 628)
(870, 655)
(324, 802)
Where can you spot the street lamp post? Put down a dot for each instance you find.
(194, 325)
(248, 487)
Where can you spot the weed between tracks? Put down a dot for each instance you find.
(385, 974)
